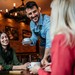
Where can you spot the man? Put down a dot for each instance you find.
(40, 28)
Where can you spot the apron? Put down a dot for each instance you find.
(42, 41)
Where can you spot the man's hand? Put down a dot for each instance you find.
(35, 69)
(44, 62)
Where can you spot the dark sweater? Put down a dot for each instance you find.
(8, 59)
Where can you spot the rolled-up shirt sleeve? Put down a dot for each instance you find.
(47, 29)
(48, 40)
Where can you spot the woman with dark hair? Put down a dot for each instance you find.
(8, 59)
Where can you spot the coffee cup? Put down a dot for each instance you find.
(32, 64)
(26, 41)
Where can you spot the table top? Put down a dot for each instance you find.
(26, 72)
(15, 72)
(12, 72)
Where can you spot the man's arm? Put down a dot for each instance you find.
(48, 41)
(46, 54)
(33, 38)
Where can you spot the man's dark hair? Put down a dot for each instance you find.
(30, 4)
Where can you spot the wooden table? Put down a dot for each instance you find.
(15, 72)
(12, 72)
(26, 72)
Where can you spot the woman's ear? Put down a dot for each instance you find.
(39, 9)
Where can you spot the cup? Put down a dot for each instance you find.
(32, 64)
(26, 41)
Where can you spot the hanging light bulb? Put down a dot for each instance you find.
(14, 5)
(6, 10)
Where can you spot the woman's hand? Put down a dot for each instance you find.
(25, 66)
(47, 67)
(1, 68)
(35, 69)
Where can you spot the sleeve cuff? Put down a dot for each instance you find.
(40, 71)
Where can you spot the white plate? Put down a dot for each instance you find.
(32, 64)
(26, 41)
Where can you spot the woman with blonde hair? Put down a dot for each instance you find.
(63, 38)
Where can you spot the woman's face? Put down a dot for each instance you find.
(4, 39)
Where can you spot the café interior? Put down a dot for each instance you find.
(15, 23)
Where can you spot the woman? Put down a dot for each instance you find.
(63, 38)
(8, 59)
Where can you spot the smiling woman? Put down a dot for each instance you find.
(8, 59)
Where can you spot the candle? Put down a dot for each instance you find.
(14, 4)
(6, 10)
